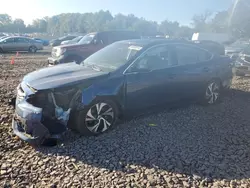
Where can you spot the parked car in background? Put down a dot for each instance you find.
(213, 47)
(2, 37)
(216, 37)
(18, 43)
(235, 48)
(88, 45)
(57, 42)
(43, 41)
(73, 41)
(242, 64)
(124, 77)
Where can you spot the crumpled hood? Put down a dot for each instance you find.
(60, 75)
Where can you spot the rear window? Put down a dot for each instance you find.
(189, 55)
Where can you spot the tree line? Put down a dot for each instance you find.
(235, 20)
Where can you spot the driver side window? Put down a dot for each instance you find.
(159, 57)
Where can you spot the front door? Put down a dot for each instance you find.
(149, 80)
(8, 44)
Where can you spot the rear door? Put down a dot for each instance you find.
(21, 44)
(195, 69)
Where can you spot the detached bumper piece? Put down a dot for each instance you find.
(31, 131)
(29, 125)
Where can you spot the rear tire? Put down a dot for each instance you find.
(212, 93)
(97, 118)
(32, 49)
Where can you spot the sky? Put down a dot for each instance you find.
(156, 10)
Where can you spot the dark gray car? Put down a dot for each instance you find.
(17, 43)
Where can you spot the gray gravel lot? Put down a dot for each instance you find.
(192, 146)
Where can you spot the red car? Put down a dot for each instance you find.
(88, 45)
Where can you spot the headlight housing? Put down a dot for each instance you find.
(60, 51)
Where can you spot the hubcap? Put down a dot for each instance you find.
(99, 117)
(212, 93)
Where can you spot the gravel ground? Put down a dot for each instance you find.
(193, 146)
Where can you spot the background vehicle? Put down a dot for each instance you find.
(216, 37)
(242, 64)
(17, 43)
(124, 77)
(235, 48)
(73, 41)
(2, 37)
(88, 45)
(58, 41)
(213, 47)
(43, 41)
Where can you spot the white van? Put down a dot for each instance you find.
(217, 37)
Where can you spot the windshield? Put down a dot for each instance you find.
(77, 39)
(62, 38)
(87, 39)
(112, 56)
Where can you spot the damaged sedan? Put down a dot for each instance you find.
(126, 76)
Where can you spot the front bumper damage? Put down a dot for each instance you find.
(35, 125)
(30, 129)
(27, 124)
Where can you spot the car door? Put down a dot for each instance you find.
(8, 44)
(194, 69)
(21, 44)
(149, 81)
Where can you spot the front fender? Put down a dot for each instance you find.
(112, 87)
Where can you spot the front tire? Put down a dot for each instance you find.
(97, 118)
(212, 92)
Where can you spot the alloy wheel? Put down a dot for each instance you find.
(212, 92)
(99, 117)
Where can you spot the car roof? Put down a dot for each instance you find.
(17, 37)
(152, 42)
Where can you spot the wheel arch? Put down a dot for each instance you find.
(113, 99)
(216, 78)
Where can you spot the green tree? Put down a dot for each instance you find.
(201, 22)
(169, 28)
